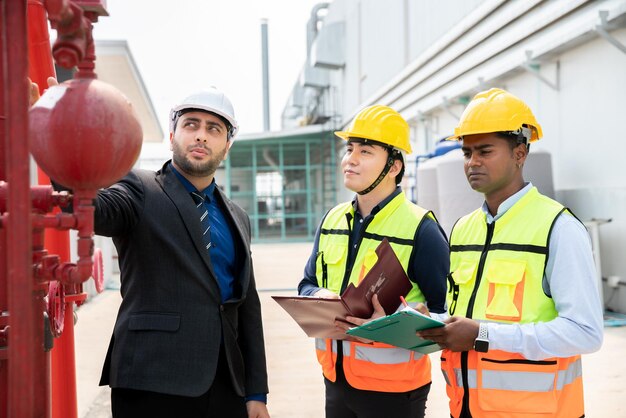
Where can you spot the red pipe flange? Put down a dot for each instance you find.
(56, 307)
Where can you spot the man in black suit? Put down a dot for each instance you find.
(188, 340)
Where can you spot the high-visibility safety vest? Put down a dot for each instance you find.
(496, 275)
(377, 367)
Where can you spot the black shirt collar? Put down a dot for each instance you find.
(380, 205)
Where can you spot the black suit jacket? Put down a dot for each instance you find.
(171, 321)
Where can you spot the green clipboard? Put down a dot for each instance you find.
(399, 329)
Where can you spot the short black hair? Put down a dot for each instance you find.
(358, 140)
(514, 139)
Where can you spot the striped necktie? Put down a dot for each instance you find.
(204, 218)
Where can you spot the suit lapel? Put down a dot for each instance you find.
(179, 196)
(237, 221)
(242, 235)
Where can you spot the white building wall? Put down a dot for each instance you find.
(382, 38)
(382, 44)
(590, 113)
(427, 59)
(350, 77)
(587, 115)
(428, 21)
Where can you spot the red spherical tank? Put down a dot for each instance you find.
(84, 134)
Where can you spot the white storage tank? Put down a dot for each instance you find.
(538, 170)
(456, 197)
(426, 183)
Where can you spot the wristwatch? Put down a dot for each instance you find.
(481, 343)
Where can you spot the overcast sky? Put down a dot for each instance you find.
(185, 45)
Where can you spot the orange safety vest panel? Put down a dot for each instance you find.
(507, 385)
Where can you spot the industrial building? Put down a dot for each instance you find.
(565, 59)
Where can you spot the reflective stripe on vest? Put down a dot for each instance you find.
(516, 388)
(379, 355)
(327, 360)
(447, 379)
(568, 376)
(377, 367)
(320, 344)
(521, 381)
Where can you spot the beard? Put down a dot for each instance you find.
(200, 168)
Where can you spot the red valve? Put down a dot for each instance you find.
(107, 126)
(56, 307)
(98, 270)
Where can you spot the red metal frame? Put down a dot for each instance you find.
(62, 366)
(25, 322)
(28, 233)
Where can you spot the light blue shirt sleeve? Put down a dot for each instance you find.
(570, 278)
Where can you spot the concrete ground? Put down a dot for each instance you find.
(296, 386)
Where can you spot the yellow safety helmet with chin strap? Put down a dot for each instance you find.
(497, 110)
(381, 124)
(385, 127)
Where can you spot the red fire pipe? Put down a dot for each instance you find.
(59, 221)
(82, 220)
(62, 371)
(59, 10)
(64, 399)
(63, 364)
(43, 198)
(40, 59)
(72, 29)
(28, 267)
(84, 212)
(4, 303)
(25, 316)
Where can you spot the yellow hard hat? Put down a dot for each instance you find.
(382, 124)
(497, 110)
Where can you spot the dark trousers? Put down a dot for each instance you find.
(344, 401)
(220, 401)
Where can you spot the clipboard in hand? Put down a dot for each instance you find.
(317, 316)
(399, 329)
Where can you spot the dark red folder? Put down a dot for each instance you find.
(387, 279)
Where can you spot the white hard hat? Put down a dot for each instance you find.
(211, 100)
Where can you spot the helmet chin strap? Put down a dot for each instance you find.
(382, 175)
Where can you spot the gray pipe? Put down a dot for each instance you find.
(266, 77)
(311, 26)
